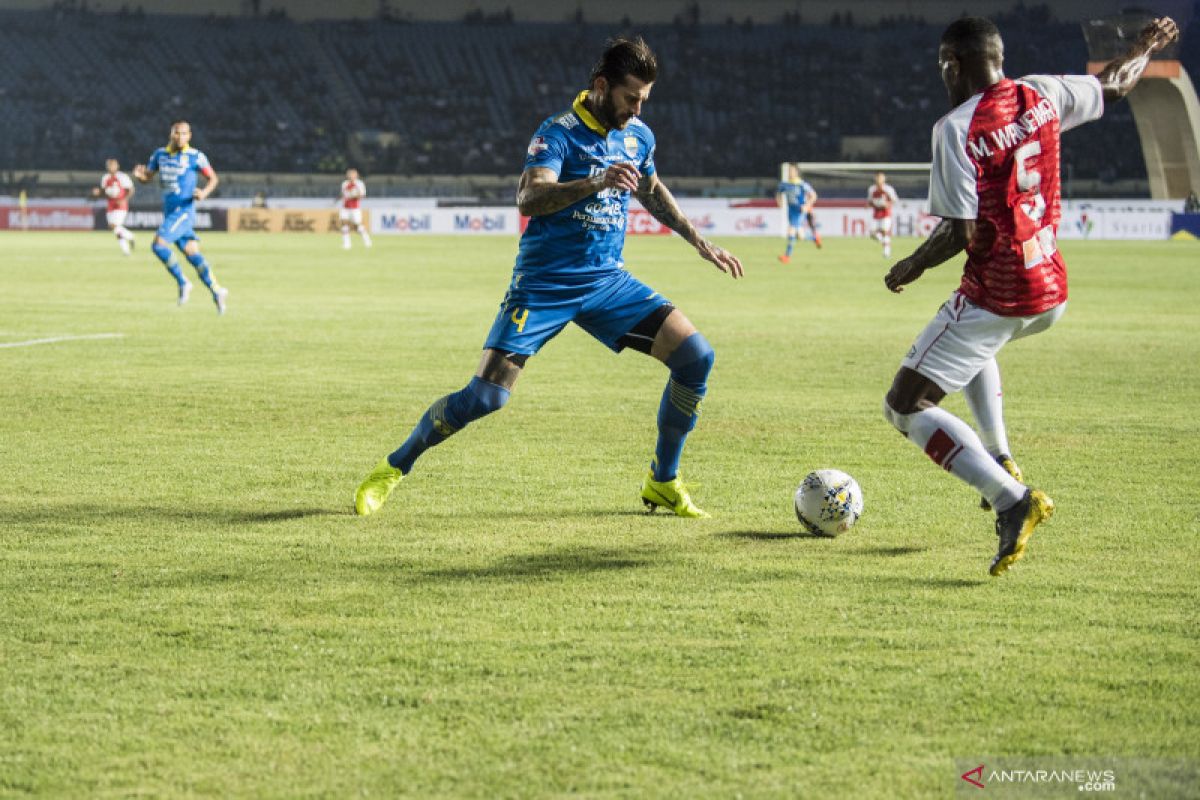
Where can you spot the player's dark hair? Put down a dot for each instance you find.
(624, 57)
(973, 37)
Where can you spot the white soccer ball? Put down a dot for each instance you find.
(828, 502)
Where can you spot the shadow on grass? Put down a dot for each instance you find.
(289, 513)
(90, 513)
(575, 561)
(917, 582)
(902, 550)
(771, 535)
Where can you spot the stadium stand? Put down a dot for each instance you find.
(273, 95)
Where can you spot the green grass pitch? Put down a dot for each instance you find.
(189, 607)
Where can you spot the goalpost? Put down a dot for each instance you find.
(842, 186)
(852, 178)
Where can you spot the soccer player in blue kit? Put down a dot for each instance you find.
(177, 165)
(798, 196)
(580, 169)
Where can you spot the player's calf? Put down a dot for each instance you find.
(446, 417)
(679, 408)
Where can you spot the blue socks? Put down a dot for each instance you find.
(677, 412)
(164, 255)
(447, 417)
(791, 243)
(680, 406)
(197, 261)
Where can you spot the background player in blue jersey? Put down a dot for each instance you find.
(177, 165)
(580, 170)
(798, 197)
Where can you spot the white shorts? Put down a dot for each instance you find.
(351, 215)
(883, 224)
(116, 217)
(962, 337)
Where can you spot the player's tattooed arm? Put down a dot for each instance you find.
(658, 200)
(947, 240)
(1123, 72)
(540, 192)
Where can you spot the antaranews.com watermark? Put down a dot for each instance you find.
(1071, 776)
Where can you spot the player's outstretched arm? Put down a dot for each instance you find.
(947, 240)
(658, 200)
(1123, 72)
(142, 174)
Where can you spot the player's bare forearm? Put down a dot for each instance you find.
(947, 240)
(656, 198)
(1122, 73)
(539, 191)
(142, 174)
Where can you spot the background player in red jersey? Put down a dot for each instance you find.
(881, 197)
(995, 183)
(117, 187)
(353, 191)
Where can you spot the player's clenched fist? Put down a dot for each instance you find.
(622, 176)
(1158, 34)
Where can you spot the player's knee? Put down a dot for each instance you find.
(486, 396)
(693, 360)
(162, 251)
(477, 399)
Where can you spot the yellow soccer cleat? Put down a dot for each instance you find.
(374, 490)
(1011, 468)
(672, 495)
(1015, 526)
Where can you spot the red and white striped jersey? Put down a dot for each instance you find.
(996, 161)
(881, 199)
(117, 187)
(352, 192)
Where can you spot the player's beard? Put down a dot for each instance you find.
(608, 114)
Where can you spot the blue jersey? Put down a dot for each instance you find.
(177, 175)
(585, 239)
(797, 194)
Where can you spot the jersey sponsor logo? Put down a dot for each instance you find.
(631, 145)
(538, 145)
(567, 120)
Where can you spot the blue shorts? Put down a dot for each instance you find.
(178, 226)
(533, 312)
(795, 216)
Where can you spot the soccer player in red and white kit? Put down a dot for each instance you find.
(117, 187)
(994, 182)
(353, 191)
(881, 197)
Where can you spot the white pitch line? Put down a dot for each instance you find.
(62, 339)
